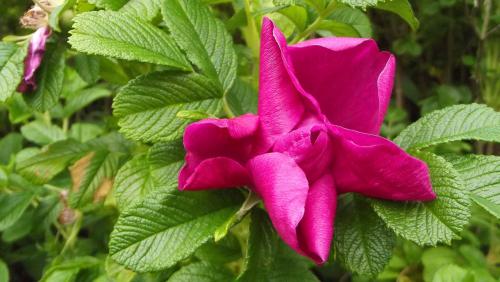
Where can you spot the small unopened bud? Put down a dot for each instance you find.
(35, 18)
(67, 216)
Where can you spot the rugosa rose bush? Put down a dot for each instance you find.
(321, 106)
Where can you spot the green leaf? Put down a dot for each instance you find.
(11, 68)
(42, 133)
(361, 3)
(19, 111)
(10, 144)
(84, 98)
(401, 8)
(435, 258)
(226, 250)
(4, 271)
(145, 173)
(147, 107)
(21, 228)
(92, 177)
(343, 21)
(481, 175)
(43, 166)
(108, 4)
(452, 273)
(50, 79)
(12, 207)
(88, 67)
(268, 258)
(363, 243)
(202, 272)
(143, 9)
(84, 132)
(66, 270)
(242, 98)
(203, 37)
(168, 226)
(429, 223)
(57, 12)
(125, 37)
(461, 122)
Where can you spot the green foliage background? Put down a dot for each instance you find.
(81, 158)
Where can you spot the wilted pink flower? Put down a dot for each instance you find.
(36, 50)
(321, 105)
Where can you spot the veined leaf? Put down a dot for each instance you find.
(147, 107)
(87, 67)
(242, 98)
(83, 98)
(401, 8)
(361, 3)
(343, 21)
(202, 272)
(42, 133)
(362, 241)
(429, 223)
(50, 79)
(168, 226)
(43, 166)
(268, 258)
(108, 4)
(481, 175)
(146, 173)
(461, 122)
(84, 132)
(11, 68)
(92, 177)
(12, 207)
(125, 37)
(143, 9)
(203, 37)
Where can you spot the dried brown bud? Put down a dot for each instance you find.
(67, 216)
(35, 18)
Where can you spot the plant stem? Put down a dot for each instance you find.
(314, 26)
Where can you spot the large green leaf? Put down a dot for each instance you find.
(42, 133)
(401, 8)
(459, 122)
(428, 223)
(203, 37)
(11, 68)
(147, 172)
(88, 67)
(347, 22)
(144, 9)
(268, 258)
(93, 176)
(202, 272)
(50, 79)
(12, 207)
(109, 4)
(42, 167)
(242, 98)
(125, 37)
(362, 241)
(10, 144)
(147, 107)
(81, 99)
(481, 175)
(168, 226)
(361, 3)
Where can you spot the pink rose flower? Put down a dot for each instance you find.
(321, 106)
(36, 50)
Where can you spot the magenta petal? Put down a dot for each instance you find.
(215, 173)
(376, 167)
(283, 187)
(280, 104)
(350, 79)
(217, 151)
(231, 138)
(316, 228)
(310, 147)
(36, 50)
